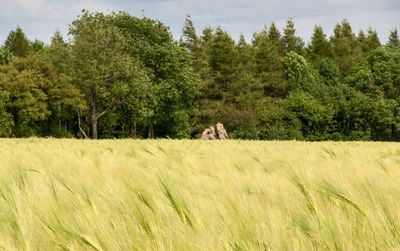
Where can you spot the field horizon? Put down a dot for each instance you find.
(68, 194)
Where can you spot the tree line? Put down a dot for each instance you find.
(122, 76)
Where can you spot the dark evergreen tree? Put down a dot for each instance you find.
(368, 42)
(189, 38)
(290, 41)
(37, 46)
(275, 37)
(345, 47)
(223, 61)
(6, 121)
(17, 43)
(394, 40)
(319, 46)
(268, 62)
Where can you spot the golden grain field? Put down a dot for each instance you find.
(198, 195)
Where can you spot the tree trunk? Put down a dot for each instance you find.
(150, 132)
(94, 129)
(133, 127)
(94, 123)
(79, 124)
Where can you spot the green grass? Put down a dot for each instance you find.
(198, 195)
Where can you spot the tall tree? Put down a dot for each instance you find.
(204, 70)
(275, 37)
(103, 69)
(192, 43)
(319, 46)
(394, 40)
(189, 37)
(369, 42)
(269, 64)
(291, 42)
(345, 47)
(6, 122)
(59, 54)
(17, 43)
(173, 82)
(224, 64)
(40, 98)
(37, 45)
(28, 99)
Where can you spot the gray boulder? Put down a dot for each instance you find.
(215, 133)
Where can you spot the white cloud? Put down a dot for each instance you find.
(31, 5)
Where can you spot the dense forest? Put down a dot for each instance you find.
(122, 76)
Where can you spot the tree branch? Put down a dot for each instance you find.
(80, 128)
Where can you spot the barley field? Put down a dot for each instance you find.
(198, 195)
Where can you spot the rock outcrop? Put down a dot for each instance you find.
(215, 133)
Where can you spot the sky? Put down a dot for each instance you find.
(41, 18)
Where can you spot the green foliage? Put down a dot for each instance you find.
(28, 99)
(315, 117)
(290, 41)
(125, 76)
(378, 74)
(394, 40)
(17, 43)
(319, 46)
(297, 71)
(189, 39)
(5, 56)
(345, 47)
(223, 61)
(6, 122)
(370, 42)
(327, 71)
(37, 93)
(37, 46)
(268, 63)
(104, 71)
(353, 115)
(275, 122)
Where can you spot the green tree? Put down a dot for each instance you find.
(28, 100)
(193, 44)
(173, 84)
(290, 41)
(103, 69)
(275, 37)
(6, 122)
(394, 40)
(345, 47)
(297, 71)
(269, 64)
(59, 54)
(41, 100)
(5, 56)
(369, 42)
(353, 116)
(319, 46)
(189, 38)
(37, 45)
(223, 61)
(17, 43)
(384, 64)
(276, 122)
(203, 68)
(315, 117)
(327, 70)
